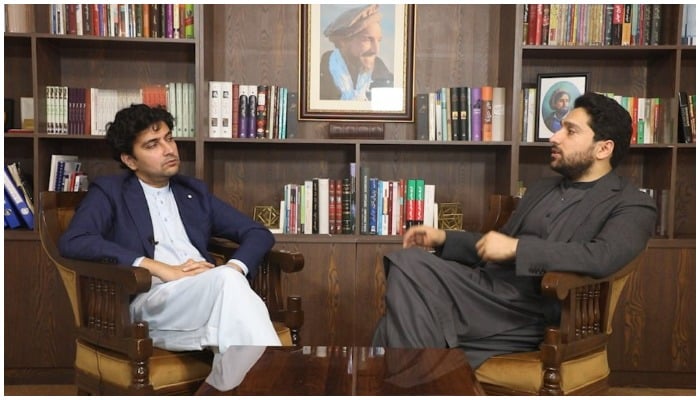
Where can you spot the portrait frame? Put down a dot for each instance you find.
(574, 84)
(393, 103)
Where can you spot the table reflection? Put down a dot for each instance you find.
(341, 370)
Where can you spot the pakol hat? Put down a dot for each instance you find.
(352, 22)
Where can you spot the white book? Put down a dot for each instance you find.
(190, 110)
(308, 207)
(214, 109)
(429, 205)
(431, 116)
(499, 114)
(323, 203)
(226, 110)
(395, 208)
(532, 102)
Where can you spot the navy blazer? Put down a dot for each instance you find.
(112, 223)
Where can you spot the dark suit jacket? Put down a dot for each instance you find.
(607, 229)
(113, 224)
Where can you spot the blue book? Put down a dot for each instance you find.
(17, 201)
(11, 219)
(373, 183)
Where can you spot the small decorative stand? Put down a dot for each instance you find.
(450, 216)
(269, 216)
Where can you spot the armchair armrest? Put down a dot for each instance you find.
(268, 283)
(100, 295)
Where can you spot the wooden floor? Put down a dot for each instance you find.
(69, 390)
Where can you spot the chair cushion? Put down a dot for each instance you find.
(166, 368)
(523, 371)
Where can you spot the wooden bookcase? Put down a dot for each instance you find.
(342, 284)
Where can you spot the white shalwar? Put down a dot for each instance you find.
(216, 309)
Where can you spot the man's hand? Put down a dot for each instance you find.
(496, 247)
(168, 273)
(424, 236)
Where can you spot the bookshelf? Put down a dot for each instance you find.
(342, 283)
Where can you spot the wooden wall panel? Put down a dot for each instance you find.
(654, 326)
(327, 287)
(39, 326)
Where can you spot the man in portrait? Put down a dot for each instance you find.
(353, 67)
(559, 104)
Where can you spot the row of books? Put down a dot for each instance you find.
(19, 205)
(175, 21)
(87, 111)
(250, 111)
(464, 113)
(66, 174)
(390, 207)
(592, 24)
(318, 206)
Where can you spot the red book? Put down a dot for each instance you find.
(390, 209)
(402, 206)
(235, 112)
(532, 24)
(338, 206)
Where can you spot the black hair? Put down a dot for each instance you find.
(129, 122)
(609, 121)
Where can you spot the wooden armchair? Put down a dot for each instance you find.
(115, 356)
(572, 359)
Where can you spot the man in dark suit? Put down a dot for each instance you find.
(155, 218)
(353, 68)
(481, 292)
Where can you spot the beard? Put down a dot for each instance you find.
(575, 165)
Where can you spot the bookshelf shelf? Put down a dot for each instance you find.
(250, 44)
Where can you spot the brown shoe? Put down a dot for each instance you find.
(208, 390)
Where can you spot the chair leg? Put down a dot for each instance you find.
(294, 317)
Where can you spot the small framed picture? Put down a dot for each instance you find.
(555, 98)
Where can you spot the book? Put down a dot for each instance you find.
(250, 115)
(422, 116)
(19, 18)
(55, 160)
(487, 113)
(499, 114)
(455, 107)
(291, 117)
(372, 206)
(420, 201)
(475, 116)
(226, 111)
(323, 205)
(410, 203)
(215, 88)
(261, 110)
(18, 202)
(464, 113)
(308, 207)
(431, 116)
(617, 21)
(429, 206)
(684, 132)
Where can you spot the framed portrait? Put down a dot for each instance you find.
(555, 98)
(356, 62)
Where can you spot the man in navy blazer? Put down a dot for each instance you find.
(155, 218)
(481, 292)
